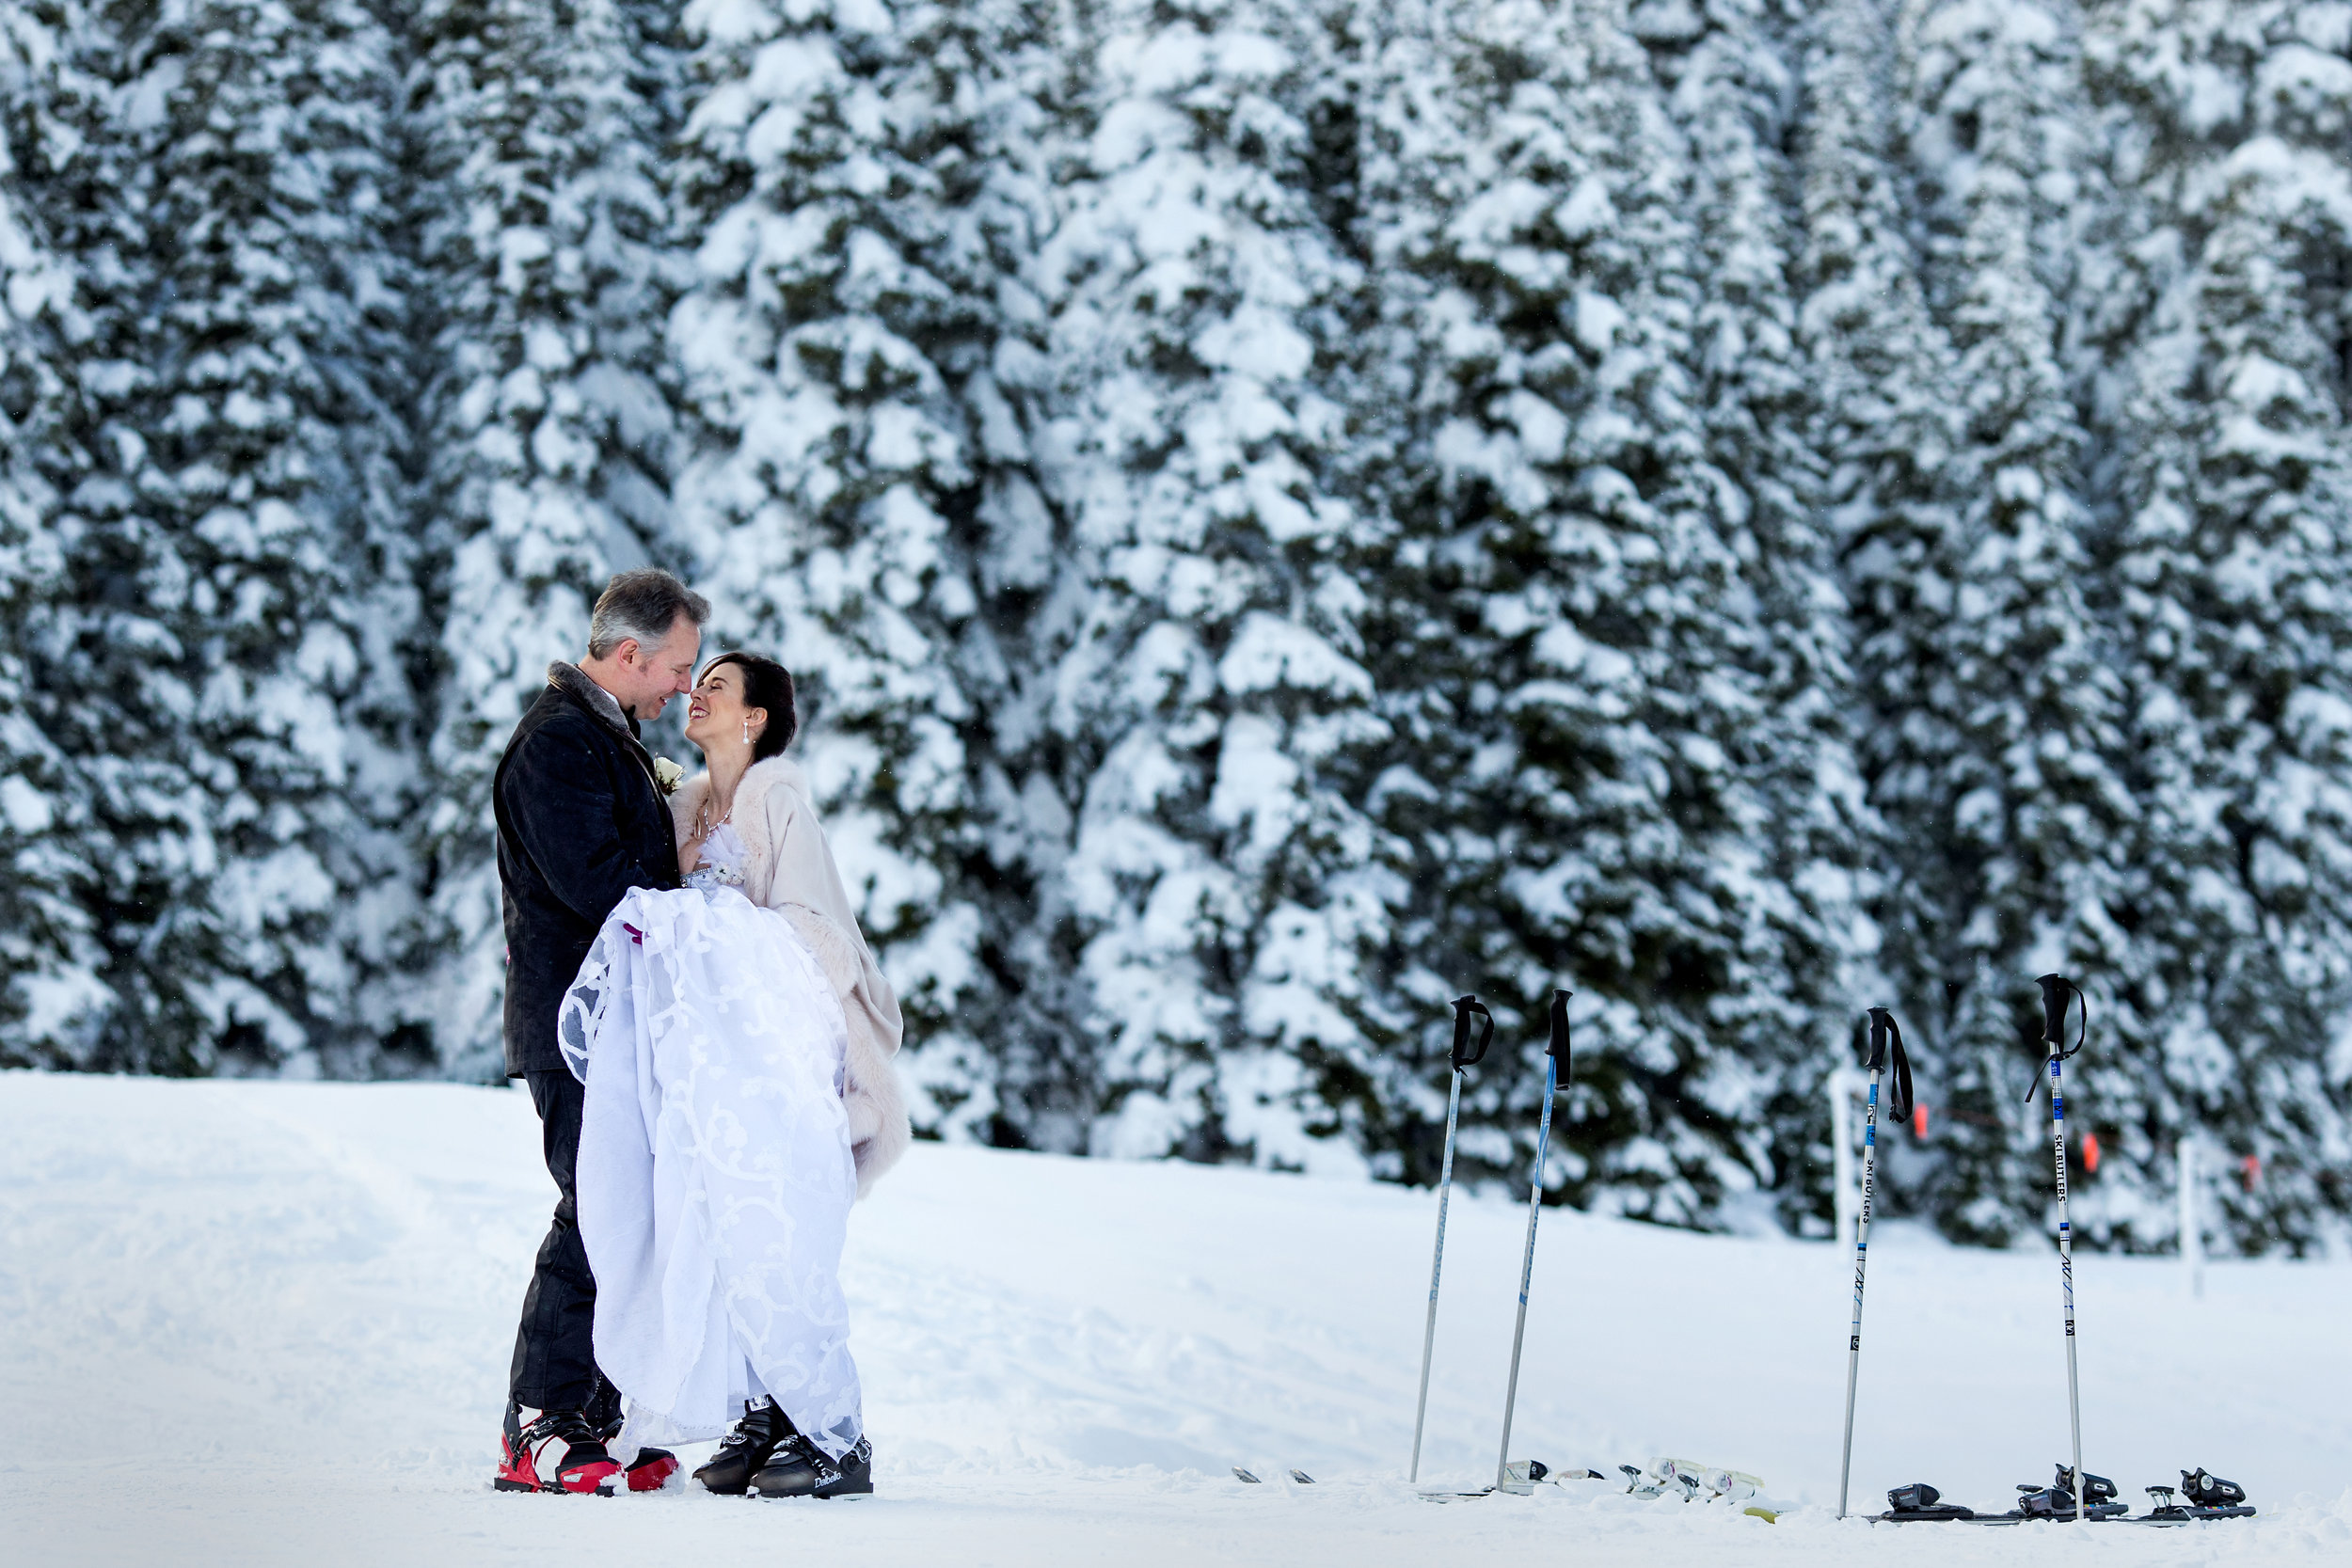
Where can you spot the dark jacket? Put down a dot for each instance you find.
(580, 821)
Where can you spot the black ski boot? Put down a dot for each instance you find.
(801, 1469)
(744, 1452)
(555, 1452)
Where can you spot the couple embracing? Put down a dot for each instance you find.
(707, 1042)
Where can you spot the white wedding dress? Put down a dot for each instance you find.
(715, 1175)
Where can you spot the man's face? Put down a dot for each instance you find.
(651, 676)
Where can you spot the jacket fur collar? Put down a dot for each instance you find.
(574, 683)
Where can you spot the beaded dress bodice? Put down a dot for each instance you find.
(720, 864)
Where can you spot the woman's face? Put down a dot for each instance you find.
(715, 717)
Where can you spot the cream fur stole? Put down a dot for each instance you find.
(771, 805)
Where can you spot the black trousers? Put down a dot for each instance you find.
(555, 1354)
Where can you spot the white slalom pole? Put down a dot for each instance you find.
(2054, 999)
(1882, 1023)
(1554, 1054)
(1464, 1055)
(2192, 1222)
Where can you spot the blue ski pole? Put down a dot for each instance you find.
(2056, 989)
(1881, 1024)
(1556, 1066)
(1465, 1055)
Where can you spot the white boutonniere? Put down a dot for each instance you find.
(668, 774)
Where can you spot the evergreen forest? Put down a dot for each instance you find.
(1282, 515)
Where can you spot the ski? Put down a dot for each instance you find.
(1682, 1479)
(2209, 1498)
(1519, 1479)
(1687, 1480)
(1301, 1477)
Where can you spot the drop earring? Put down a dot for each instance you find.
(747, 731)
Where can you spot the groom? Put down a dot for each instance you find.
(580, 821)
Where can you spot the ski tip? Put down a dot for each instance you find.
(1242, 1475)
(1302, 1477)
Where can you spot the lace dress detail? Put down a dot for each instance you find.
(715, 1174)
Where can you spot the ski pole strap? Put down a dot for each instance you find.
(1558, 1049)
(2057, 990)
(1898, 1096)
(1465, 1053)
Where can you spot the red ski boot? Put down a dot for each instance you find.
(650, 1468)
(557, 1451)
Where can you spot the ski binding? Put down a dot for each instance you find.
(1301, 1477)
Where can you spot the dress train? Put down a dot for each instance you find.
(715, 1177)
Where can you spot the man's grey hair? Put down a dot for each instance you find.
(642, 606)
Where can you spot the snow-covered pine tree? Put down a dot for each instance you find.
(2231, 546)
(51, 995)
(1565, 789)
(1994, 707)
(227, 686)
(840, 180)
(1733, 86)
(1885, 416)
(552, 263)
(1214, 880)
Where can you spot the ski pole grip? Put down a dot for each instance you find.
(1465, 1053)
(1900, 1099)
(1880, 1020)
(2054, 993)
(1558, 1049)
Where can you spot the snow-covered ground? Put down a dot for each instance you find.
(260, 1323)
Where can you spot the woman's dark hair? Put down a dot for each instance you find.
(768, 684)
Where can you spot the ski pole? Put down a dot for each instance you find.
(1555, 1064)
(1881, 1024)
(2054, 992)
(1465, 1055)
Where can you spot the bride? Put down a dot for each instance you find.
(735, 1038)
